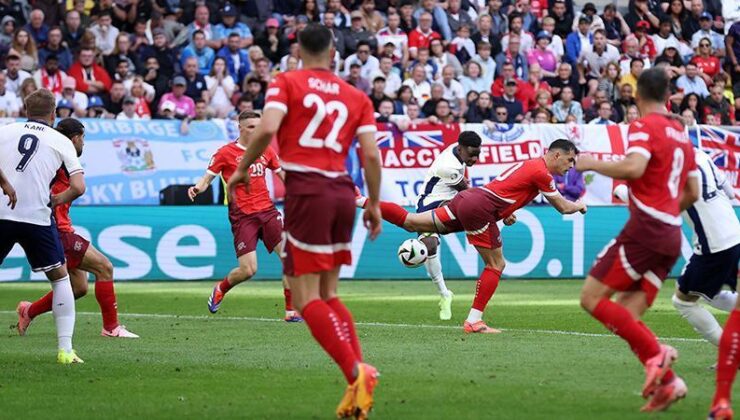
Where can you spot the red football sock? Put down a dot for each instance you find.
(41, 306)
(486, 287)
(288, 299)
(348, 323)
(393, 213)
(620, 321)
(325, 328)
(106, 297)
(224, 285)
(729, 357)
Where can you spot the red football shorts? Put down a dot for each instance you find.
(473, 211)
(75, 247)
(248, 228)
(319, 216)
(627, 265)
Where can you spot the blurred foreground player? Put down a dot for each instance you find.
(476, 211)
(315, 116)
(662, 178)
(81, 256)
(31, 152)
(252, 213)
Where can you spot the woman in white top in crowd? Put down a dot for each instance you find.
(473, 80)
(220, 88)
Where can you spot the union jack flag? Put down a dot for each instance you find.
(385, 139)
(723, 145)
(428, 139)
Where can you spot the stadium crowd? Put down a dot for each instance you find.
(478, 61)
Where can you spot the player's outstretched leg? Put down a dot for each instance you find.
(484, 290)
(727, 365)
(246, 269)
(291, 315)
(433, 264)
(63, 309)
(697, 316)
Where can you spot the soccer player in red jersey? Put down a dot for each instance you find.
(476, 211)
(81, 256)
(662, 178)
(252, 213)
(315, 116)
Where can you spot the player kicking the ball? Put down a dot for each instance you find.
(475, 211)
(315, 116)
(82, 257)
(660, 170)
(252, 213)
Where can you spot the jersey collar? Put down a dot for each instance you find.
(38, 122)
(456, 153)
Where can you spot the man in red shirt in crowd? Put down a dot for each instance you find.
(252, 213)
(523, 89)
(91, 78)
(316, 116)
(662, 177)
(423, 35)
(81, 256)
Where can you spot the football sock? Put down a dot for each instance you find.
(484, 290)
(474, 316)
(63, 309)
(434, 270)
(669, 375)
(724, 301)
(729, 357)
(393, 213)
(106, 297)
(224, 285)
(288, 299)
(345, 316)
(619, 320)
(41, 306)
(703, 322)
(326, 328)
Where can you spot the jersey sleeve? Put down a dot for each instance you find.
(449, 176)
(692, 170)
(546, 183)
(638, 140)
(367, 117)
(276, 95)
(69, 157)
(216, 164)
(273, 162)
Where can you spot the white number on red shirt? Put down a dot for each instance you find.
(676, 169)
(307, 138)
(257, 169)
(505, 174)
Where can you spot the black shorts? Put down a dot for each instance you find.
(41, 244)
(705, 275)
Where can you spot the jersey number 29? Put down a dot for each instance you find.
(330, 142)
(27, 147)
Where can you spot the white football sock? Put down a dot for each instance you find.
(699, 318)
(724, 301)
(434, 270)
(474, 316)
(63, 309)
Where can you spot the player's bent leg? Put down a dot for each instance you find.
(433, 265)
(80, 285)
(725, 300)
(291, 315)
(697, 316)
(727, 365)
(244, 271)
(484, 289)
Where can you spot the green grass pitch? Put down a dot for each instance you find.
(552, 362)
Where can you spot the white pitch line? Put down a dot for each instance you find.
(366, 324)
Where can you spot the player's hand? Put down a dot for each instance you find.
(510, 220)
(372, 219)
(193, 192)
(239, 178)
(10, 192)
(583, 208)
(56, 200)
(584, 162)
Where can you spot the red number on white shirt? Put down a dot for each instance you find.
(322, 109)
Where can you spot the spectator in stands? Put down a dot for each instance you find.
(274, 45)
(571, 185)
(201, 51)
(442, 58)
(221, 87)
(424, 59)
(90, 77)
(578, 41)
(610, 80)
(708, 64)
(631, 52)
(7, 29)
(693, 103)
(589, 11)
(632, 114)
(384, 113)
(456, 16)
(439, 23)
(356, 33)
(507, 72)
(462, 46)
(371, 18)
(129, 110)
(640, 11)
(143, 95)
(442, 113)
(501, 113)
(237, 60)
(732, 41)
(139, 38)
(183, 105)
(665, 36)
(556, 42)
(542, 116)
(716, 40)
(485, 33)
(105, 33)
(310, 9)
(513, 56)
(509, 99)
(78, 99)
(691, 82)
(530, 22)
(566, 106)
(717, 106)
(341, 15)
(673, 62)
(25, 47)
(195, 82)
(9, 103)
(436, 95)
(689, 117)
(677, 14)
(64, 109)
(202, 23)
(481, 110)
(420, 87)
(496, 24)
(202, 112)
(422, 36)
(113, 103)
(165, 56)
(95, 108)
(230, 25)
(543, 55)
(531, 86)
(595, 59)
(55, 47)
(526, 40)
(542, 101)
(565, 77)
(563, 20)
(625, 101)
(255, 92)
(15, 75)
(83, 9)
(37, 29)
(364, 58)
(50, 76)
(615, 26)
(354, 78)
(122, 52)
(691, 25)
(329, 20)
(392, 80)
(604, 115)
(404, 97)
(261, 71)
(472, 80)
(486, 61)
(453, 91)
(156, 79)
(377, 92)
(635, 70)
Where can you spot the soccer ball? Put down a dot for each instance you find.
(412, 253)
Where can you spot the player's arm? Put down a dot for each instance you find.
(280, 174)
(462, 185)
(8, 190)
(76, 189)
(269, 125)
(201, 185)
(631, 167)
(371, 163)
(690, 193)
(565, 206)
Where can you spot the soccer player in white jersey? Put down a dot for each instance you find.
(445, 178)
(716, 243)
(31, 152)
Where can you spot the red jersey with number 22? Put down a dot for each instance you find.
(323, 113)
(225, 161)
(521, 183)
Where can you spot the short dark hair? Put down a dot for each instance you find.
(248, 114)
(198, 31)
(636, 60)
(653, 84)
(70, 127)
(363, 44)
(469, 138)
(564, 145)
(315, 38)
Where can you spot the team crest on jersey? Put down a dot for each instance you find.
(503, 132)
(78, 246)
(135, 155)
(240, 246)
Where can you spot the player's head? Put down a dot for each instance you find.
(468, 147)
(248, 122)
(653, 85)
(41, 105)
(561, 156)
(74, 130)
(316, 43)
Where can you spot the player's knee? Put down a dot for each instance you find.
(247, 271)
(497, 263)
(589, 301)
(105, 270)
(79, 290)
